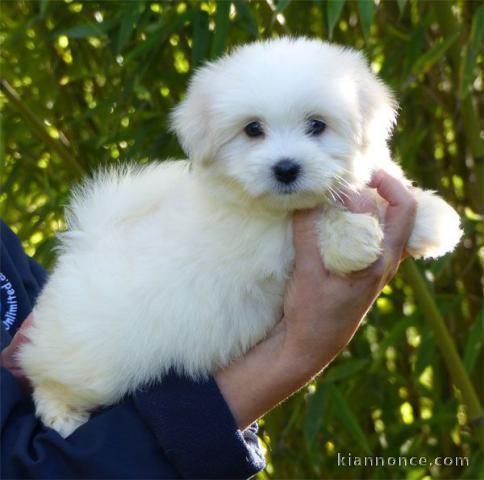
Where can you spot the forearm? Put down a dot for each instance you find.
(267, 375)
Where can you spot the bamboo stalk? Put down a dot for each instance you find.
(58, 146)
(447, 347)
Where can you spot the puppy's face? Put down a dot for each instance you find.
(288, 123)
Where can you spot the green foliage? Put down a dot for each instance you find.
(90, 84)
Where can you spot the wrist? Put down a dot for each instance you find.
(308, 353)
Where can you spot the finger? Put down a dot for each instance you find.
(305, 238)
(21, 335)
(304, 232)
(399, 215)
(363, 201)
(7, 356)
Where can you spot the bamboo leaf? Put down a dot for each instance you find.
(281, 6)
(349, 420)
(474, 44)
(127, 26)
(474, 343)
(221, 28)
(43, 7)
(428, 60)
(247, 18)
(314, 417)
(413, 49)
(425, 353)
(410, 149)
(345, 370)
(401, 5)
(366, 9)
(87, 30)
(201, 36)
(333, 12)
(392, 338)
(160, 32)
(440, 266)
(124, 33)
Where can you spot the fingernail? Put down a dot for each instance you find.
(375, 178)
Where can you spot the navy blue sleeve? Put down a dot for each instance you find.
(116, 443)
(206, 442)
(176, 429)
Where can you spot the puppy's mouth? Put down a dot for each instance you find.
(330, 194)
(296, 187)
(287, 189)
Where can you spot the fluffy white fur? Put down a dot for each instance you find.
(183, 265)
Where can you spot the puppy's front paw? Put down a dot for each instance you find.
(349, 241)
(437, 227)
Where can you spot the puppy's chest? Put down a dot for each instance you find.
(263, 256)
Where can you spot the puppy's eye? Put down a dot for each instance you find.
(254, 129)
(315, 127)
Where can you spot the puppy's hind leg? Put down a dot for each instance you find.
(58, 407)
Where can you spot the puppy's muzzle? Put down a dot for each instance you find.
(286, 171)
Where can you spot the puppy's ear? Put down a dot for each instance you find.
(191, 122)
(378, 109)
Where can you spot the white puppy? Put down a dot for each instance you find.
(183, 265)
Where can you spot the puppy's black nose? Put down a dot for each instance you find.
(286, 170)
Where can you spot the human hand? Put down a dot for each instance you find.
(322, 311)
(8, 358)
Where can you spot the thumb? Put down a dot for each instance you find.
(400, 212)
